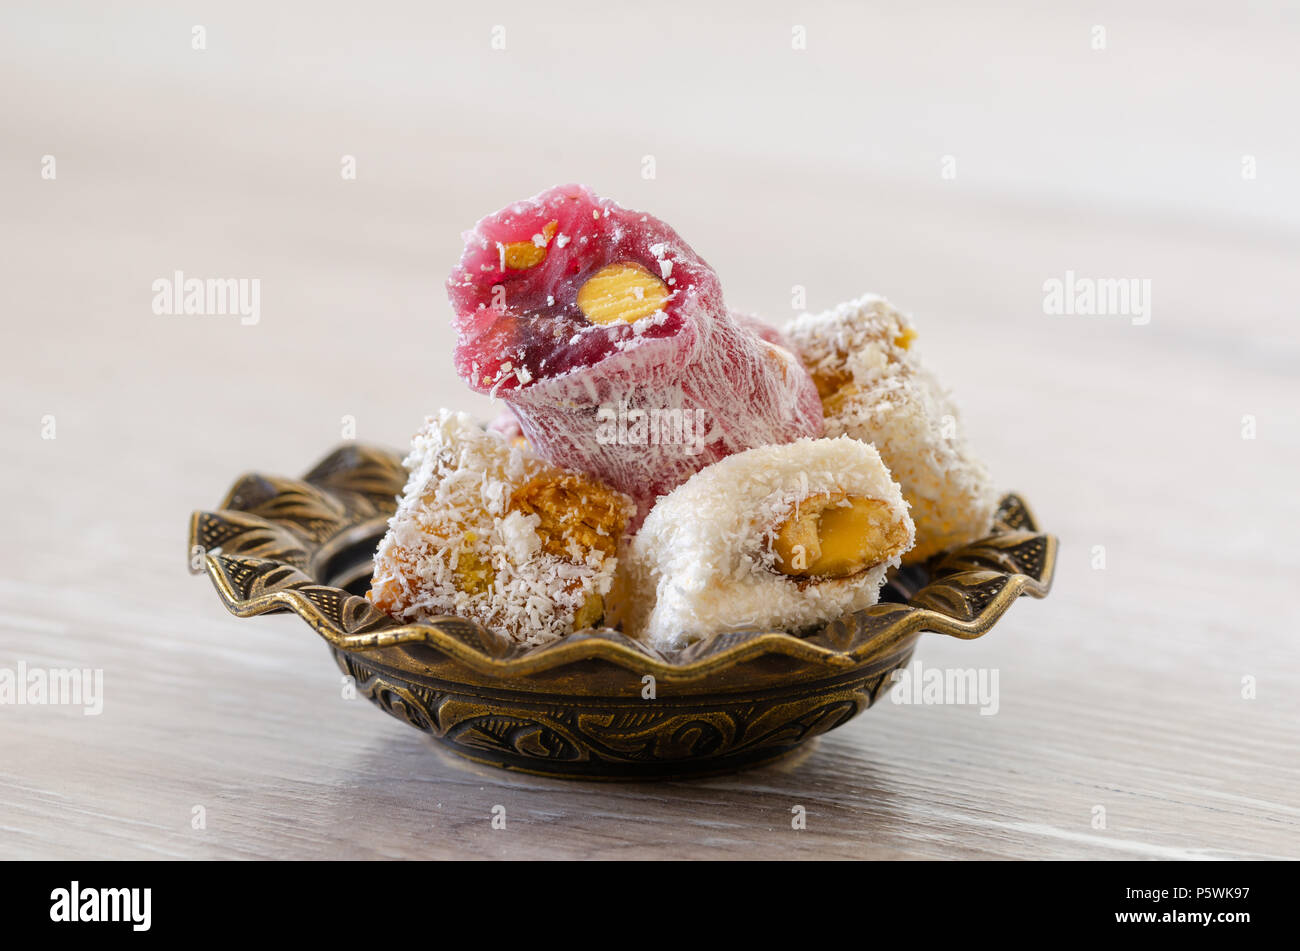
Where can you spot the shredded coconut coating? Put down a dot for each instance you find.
(874, 388)
(487, 530)
(703, 563)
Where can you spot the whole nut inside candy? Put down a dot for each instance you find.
(574, 513)
(835, 536)
(521, 255)
(624, 291)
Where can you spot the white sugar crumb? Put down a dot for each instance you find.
(884, 395)
(638, 292)
(519, 535)
(659, 251)
(562, 240)
(700, 564)
(539, 240)
(458, 544)
(550, 300)
(501, 378)
(523, 376)
(639, 327)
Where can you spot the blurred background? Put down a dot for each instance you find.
(949, 157)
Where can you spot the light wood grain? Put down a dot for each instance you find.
(1122, 690)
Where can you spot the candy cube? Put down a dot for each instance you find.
(775, 538)
(486, 530)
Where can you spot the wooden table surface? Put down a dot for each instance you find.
(823, 168)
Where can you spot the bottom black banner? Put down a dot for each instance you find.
(925, 900)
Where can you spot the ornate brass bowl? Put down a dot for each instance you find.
(595, 704)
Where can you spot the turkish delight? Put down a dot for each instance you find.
(874, 388)
(608, 338)
(777, 537)
(487, 530)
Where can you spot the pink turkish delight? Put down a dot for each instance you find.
(608, 338)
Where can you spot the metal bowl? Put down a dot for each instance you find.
(594, 704)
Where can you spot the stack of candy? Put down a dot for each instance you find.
(873, 388)
(660, 468)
